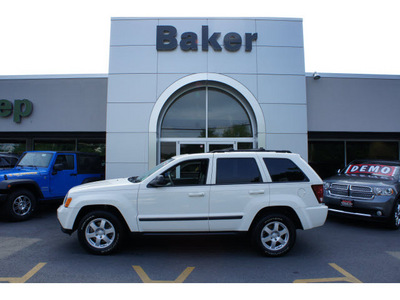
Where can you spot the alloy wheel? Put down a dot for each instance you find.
(22, 205)
(100, 233)
(275, 236)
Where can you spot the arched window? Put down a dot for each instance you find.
(205, 116)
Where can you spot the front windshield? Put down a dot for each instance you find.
(373, 170)
(151, 171)
(35, 159)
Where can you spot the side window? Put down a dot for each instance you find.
(237, 171)
(67, 161)
(191, 172)
(284, 170)
(88, 164)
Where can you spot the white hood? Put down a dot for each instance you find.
(105, 185)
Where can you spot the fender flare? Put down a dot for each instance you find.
(6, 186)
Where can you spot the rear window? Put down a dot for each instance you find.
(237, 171)
(284, 170)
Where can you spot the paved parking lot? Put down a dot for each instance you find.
(36, 251)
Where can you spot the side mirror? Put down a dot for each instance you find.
(158, 181)
(56, 168)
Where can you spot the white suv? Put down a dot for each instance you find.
(269, 194)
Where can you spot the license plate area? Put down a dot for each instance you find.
(347, 203)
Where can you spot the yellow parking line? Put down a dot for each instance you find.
(146, 279)
(26, 277)
(347, 277)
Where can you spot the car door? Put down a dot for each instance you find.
(180, 202)
(63, 176)
(239, 191)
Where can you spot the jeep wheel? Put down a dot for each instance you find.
(394, 220)
(20, 205)
(100, 232)
(274, 235)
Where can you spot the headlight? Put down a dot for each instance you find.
(384, 191)
(326, 185)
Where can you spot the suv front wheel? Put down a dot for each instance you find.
(100, 232)
(274, 235)
(20, 205)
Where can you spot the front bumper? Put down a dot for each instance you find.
(378, 208)
(66, 218)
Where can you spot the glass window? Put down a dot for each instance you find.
(192, 148)
(214, 147)
(35, 159)
(190, 112)
(66, 161)
(243, 146)
(372, 150)
(17, 147)
(226, 116)
(237, 171)
(54, 145)
(98, 147)
(186, 117)
(326, 157)
(7, 161)
(191, 172)
(284, 170)
(168, 150)
(90, 164)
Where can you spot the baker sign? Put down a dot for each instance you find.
(371, 169)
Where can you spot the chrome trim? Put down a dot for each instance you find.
(348, 191)
(349, 213)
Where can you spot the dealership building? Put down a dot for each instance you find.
(189, 85)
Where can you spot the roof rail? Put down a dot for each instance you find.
(249, 150)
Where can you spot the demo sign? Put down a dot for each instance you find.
(371, 169)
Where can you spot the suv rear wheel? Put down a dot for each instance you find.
(100, 232)
(274, 235)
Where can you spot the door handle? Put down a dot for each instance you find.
(256, 192)
(73, 174)
(201, 194)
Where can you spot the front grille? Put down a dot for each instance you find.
(336, 186)
(339, 192)
(364, 192)
(355, 191)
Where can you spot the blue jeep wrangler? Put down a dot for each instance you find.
(44, 175)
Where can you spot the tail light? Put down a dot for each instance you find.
(319, 192)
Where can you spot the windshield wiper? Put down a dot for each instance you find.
(27, 166)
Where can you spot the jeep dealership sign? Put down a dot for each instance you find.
(20, 109)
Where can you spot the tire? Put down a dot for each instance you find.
(100, 232)
(394, 220)
(20, 205)
(274, 235)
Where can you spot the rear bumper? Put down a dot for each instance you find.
(314, 216)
